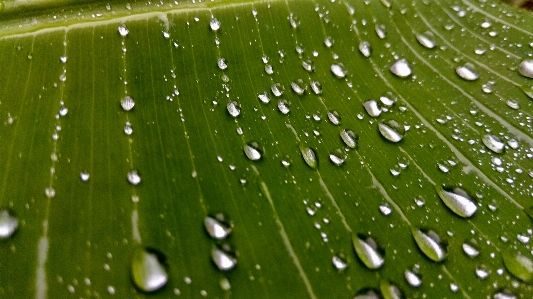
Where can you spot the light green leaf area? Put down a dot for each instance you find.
(123, 126)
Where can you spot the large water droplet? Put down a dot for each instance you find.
(8, 223)
(349, 138)
(334, 117)
(401, 68)
(338, 70)
(134, 178)
(368, 251)
(252, 151)
(372, 108)
(519, 265)
(234, 108)
(391, 130)
(467, 72)
(412, 278)
(148, 269)
(127, 103)
(365, 48)
(284, 106)
(427, 39)
(526, 68)
(493, 143)
(430, 244)
(277, 89)
(214, 24)
(457, 200)
(223, 256)
(299, 87)
(309, 156)
(218, 226)
(123, 30)
(337, 157)
(390, 290)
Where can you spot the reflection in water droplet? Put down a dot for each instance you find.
(252, 151)
(263, 97)
(338, 70)
(221, 62)
(84, 176)
(430, 244)
(372, 108)
(365, 48)
(127, 103)
(339, 262)
(284, 106)
(316, 87)
(218, 226)
(234, 108)
(133, 177)
(123, 30)
(309, 156)
(391, 130)
(467, 72)
(223, 256)
(148, 269)
(457, 200)
(214, 24)
(401, 68)
(337, 157)
(519, 266)
(526, 68)
(493, 143)
(427, 39)
(334, 117)
(277, 90)
(349, 138)
(368, 251)
(8, 223)
(299, 87)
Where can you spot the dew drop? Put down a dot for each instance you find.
(488, 87)
(388, 99)
(482, 272)
(309, 156)
(223, 256)
(294, 21)
(127, 103)
(504, 294)
(8, 223)
(457, 200)
(328, 42)
(412, 278)
(221, 62)
(316, 87)
(218, 226)
(63, 59)
(526, 68)
(277, 90)
(252, 151)
(349, 138)
(84, 176)
(430, 244)
(401, 68)
(338, 70)
(148, 269)
(308, 65)
(381, 31)
(234, 108)
(63, 111)
(493, 143)
(365, 48)
(390, 290)
(519, 266)
(337, 157)
(284, 106)
(372, 108)
(299, 87)
(214, 24)
(334, 117)
(133, 177)
(339, 262)
(268, 69)
(128, 130)
(391, 130)
(426, 39)
(123, 30)
(263, 97)
(50, 192)
(385, 209)
(470, 250)
(368, 251)
(467, 72)
(367, 293)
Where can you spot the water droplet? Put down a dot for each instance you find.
(328, 42)
(504, 294)
(430, 244)
(457, 200)
(234, 108)
(493, 143)
(299, 87)
(513, 104)
(84, 176)
(127, 103)
(308, 65)
(367, 293)
(8, 223)
(391, 130)
(349, 138)
(277, 90)
(221, 62)
(268, 69)
(294, 21)
(381, 31)
(528, 90)
(123, 30)
(63, 111)
(385, 209)
(339, 262)
(223, 256)
(224, 284)
(128, 130)
(284, 106)
(214, 24)
(316, 87)
(482, 272)
(63, 59)
(309, 156)
(334, 117)
(519, 266)
(368, 251)
(338, 70)
(427, 39)
(526, 68)
(252, 151)
(488, 87)
(388, 99)
(390, 290)
(218, 226)
(263, 97)
(412, 278)
(365, 48)
(133, 177)
(470, 250)
(372, 108)
(148, 269)
(50, 192)
(467, 72)
(337, 157)
(401, 68)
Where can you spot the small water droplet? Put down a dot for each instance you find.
(224, 257)
(294, 21)
(234, 108)
(63, 59)
(482, 272)
(328, 42)
(308, 65)
(513, 104)
(385, 209)
(388, 99)
(368, 251)
(134, 178)
(284, 106)
(299, 87)
(218, 226)
(526, 68)
(457, 200)
(214, 24)
(268, 69)
(349, 138)
(127, 103)
(493, 143)
(412, 278)
(309, 156)
(365, 48)
(339, 262)
(263, 97)
(148, 269)
(337, 157)
(63, 111)
(123, 30)
(504, 294)
(367, 293)
(427, 39)
(334, 117)
(401, 68)
(519, 266)
(9, 223)
(84, 176)
(381, 31)
(221, 62)
(277, 90)
(430, 244)
(50, 192)
(390, 290)
(488, 87)
(391, 130)
(372, 108)
(338, 70)
(467, 72)
(128, 130)
(316, 87)
(252, 151)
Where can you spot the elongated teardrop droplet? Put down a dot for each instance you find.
(457, 200)
(349, 138)
(365, 48)
(224, 257)
(390, 290)
(467, 72)
(309, 156)
(218, 226)
(148, 269)
(368, 252)
(401, 68)
(526, 68)
(372, 108)
(430, 244)
(519, 265)
(412, 278)
(493, 143)
(338, 70)
(8, 223)
(391, 130)
(426, 39)
(252, 151)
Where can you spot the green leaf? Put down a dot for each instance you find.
(285, 149)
